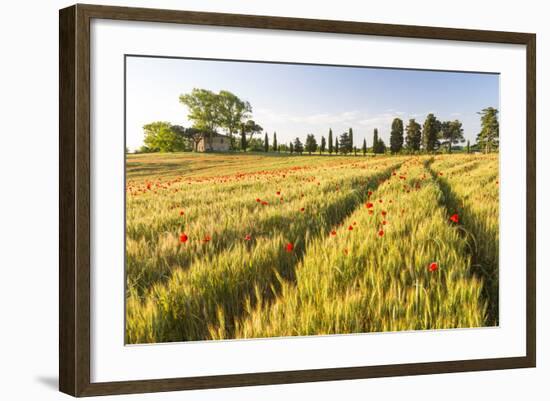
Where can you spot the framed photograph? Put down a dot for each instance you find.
(249, 200)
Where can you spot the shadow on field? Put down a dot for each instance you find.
(479, 240)
(211, 304)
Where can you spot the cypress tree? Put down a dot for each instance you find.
(488, 138)
(414, 136)
(430, 130)
(364, 147)
(396, 135)
(336, 146)
(323, 146)
(298, 146)
(266, 143)
(275, 147)
(330, 146)
(344, 144)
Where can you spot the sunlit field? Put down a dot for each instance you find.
(229, 246)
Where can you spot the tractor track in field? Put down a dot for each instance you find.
(341, 210)
(195, 306)
(454, 203)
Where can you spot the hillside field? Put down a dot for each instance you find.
(232, 246)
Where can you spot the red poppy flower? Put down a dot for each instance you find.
(384, 212)
(370, 193)
(248, 237)
(381, 233)
(182, 213)
(207, 238)
(289, 247)
(183, 238)
(384, 222)
(278, 192)
(258, 200)
(380, 200)
(454, 218)
(371, 212)
(265, 203)
(333, 232)
(350, 228)
(354, 223)
(433, 266)
(440, 173)
(368, 205)
(302, 209)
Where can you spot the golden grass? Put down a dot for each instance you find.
(235, 278)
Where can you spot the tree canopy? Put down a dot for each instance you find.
(161, 136)
(209, 111)
(345, 146)
(451, 133)
(311, 143)
(396, 135)
(414, 136)
(430, 133)
(488, 138)
(298, 146)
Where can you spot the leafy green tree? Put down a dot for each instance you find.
(266, 143)
(396, 135)
(275, 146)
(345, 145)
(251, 128)
(336, 145)
(378, 145)
(160, 136)
(291, 147)
(430, 132)
(323, 146)
(364, 148)
(232, 112)
(204, 112)
(488, 138)
(256, 145)
(375, 140)
(414, 136)
(298, 146)
(330, 144)
(451, 133)
(311, 143)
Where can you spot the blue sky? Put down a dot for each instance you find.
(295, 100)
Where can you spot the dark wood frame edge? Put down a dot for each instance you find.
(74, 199)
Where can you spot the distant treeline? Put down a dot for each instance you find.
(216, 113)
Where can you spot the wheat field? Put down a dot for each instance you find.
(232, 246)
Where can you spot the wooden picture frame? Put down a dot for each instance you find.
(74, 199)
